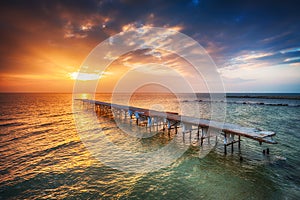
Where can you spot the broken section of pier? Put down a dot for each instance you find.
(167, 121)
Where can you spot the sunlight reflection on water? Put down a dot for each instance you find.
(42, 156)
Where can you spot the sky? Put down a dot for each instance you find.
(254, 44)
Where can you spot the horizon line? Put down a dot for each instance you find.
(257, 92)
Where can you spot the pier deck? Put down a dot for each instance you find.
(188, 124)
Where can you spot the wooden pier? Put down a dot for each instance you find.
(205, 129)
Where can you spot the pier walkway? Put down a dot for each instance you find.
(170, 120)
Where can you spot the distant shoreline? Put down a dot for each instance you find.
(289, 96)
(264, 97)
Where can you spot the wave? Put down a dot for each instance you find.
(44, 152)
(28, 135)
(7, 119)
(59, 115)
(49, 123)
(12, 124)
(46, 124)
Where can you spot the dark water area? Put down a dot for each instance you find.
(42, 156)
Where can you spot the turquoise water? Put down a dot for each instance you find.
(43, 157)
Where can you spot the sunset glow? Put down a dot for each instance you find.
(149, 99)
(44, 43)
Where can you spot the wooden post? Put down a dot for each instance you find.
(232, 137)
(137, 117)
(225, 143)
(203, 132)
(169, 127)
(208, 135)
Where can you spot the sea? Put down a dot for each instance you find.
(44, 156)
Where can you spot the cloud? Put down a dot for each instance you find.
(290, 50)
(43, 37)
(297, 59)
(153, 62)
(88, 76)
(237, 80)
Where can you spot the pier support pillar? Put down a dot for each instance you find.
(232, 142)
(203, 134)
(225, 143)
(137, 117)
